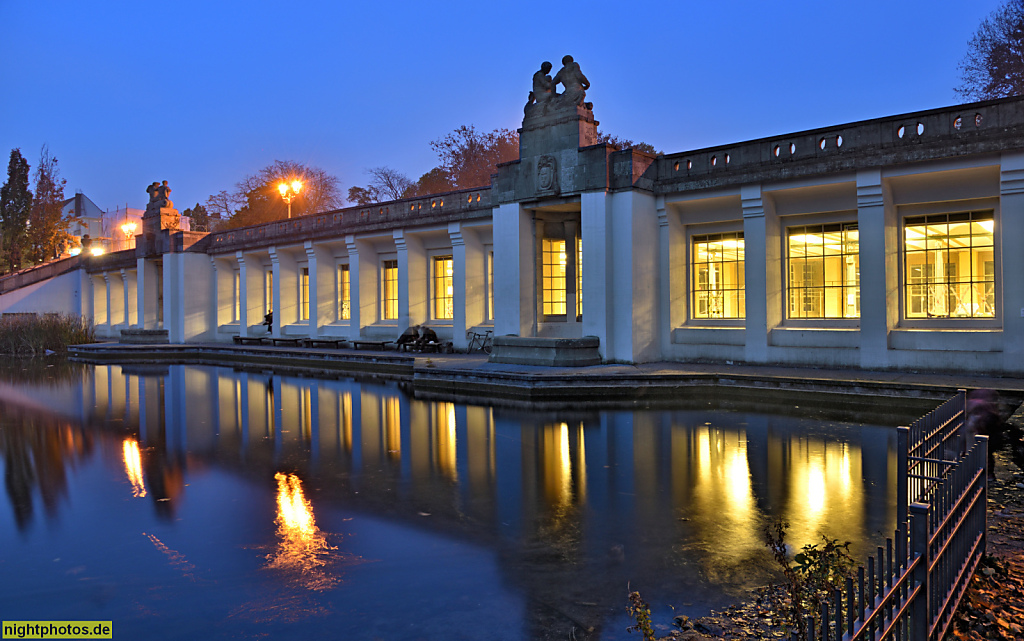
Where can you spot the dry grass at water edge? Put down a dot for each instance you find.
(31, 335)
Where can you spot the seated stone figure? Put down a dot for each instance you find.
(575, 83)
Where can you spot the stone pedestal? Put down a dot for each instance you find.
(157, 225)
(552, 352)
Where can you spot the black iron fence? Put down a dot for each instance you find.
(911, 588)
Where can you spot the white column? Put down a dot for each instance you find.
(323, 294)
(598, 307)
(129, 278)
(635, 278)
(314, 299)
(174, 297)
(413, 283)
(469, 264)
(1008, 237)
(363, 283)
(762, 272)
(515, 273)
(878, 270)
(87, 296)
(115, 302)
(286, 282)
(672, 267)
(148, 294)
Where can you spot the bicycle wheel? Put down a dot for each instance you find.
(486, 347)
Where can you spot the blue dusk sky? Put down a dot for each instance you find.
(202, 93)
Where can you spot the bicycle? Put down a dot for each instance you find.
(483, 342)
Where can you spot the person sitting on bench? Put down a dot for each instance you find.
(268, 320)
(427, 336)
(409, 337)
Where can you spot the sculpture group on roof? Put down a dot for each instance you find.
(544, 96)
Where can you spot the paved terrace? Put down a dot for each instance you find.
(470, 377)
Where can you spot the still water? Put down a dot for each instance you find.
(203, 502)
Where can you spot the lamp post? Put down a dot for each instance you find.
(289, 191)
(129, 230)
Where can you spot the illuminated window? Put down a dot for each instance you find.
(389, 290)
(949, 265)
(718, 278)
(553, 279)
(304, 294)
(268, 294)
(490, 285)
(824, 271)
(344, 293)
(444, 286)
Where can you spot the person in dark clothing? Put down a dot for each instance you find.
(268, 320)
(427, 335)
(409, 337)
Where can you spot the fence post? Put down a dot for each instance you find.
(902, 480)
(919, 610)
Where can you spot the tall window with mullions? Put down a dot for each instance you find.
(389, 290)
(949, 265)
(823, 271)
(717, 286)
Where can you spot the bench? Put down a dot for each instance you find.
(288, 342)
(356, 344)
(336, 343)
(247, 340)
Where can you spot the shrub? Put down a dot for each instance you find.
(31, 335)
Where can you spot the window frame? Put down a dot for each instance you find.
(979, 206)
(697, 231)
(844, 218)
(436, 259)
(303, 292)
(343, 291)
(385, 265)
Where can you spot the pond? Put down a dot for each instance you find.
(205, 502)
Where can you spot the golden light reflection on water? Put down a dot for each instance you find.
(723, 495)
(133, 467)
(302, 549)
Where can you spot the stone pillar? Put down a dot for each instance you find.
(174, 298)
(631, 267)
(413, 280)
(323, 294)
(761, 273)
(672, 266)
(87, 297)
(879, 269)
(363, 284)
(314, 299)
(286, 295)
(129, 279)
(101, 318)
(150, 288)
(115, 302)
(188, 288)
(469, 282)
(515, 271)
(224, 295)
(1009, 230)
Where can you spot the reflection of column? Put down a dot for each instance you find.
(510, 484)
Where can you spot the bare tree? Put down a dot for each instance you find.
(223, 204)
(994, 64)
(389, 183)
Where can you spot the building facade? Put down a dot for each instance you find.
(893, 243)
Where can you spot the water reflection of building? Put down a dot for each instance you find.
(573, 504)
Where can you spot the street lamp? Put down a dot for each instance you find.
(129, 230)
(289, 191)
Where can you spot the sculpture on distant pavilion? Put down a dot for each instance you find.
(543, 97)
(159, 196)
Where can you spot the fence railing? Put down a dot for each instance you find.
(911, 588)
